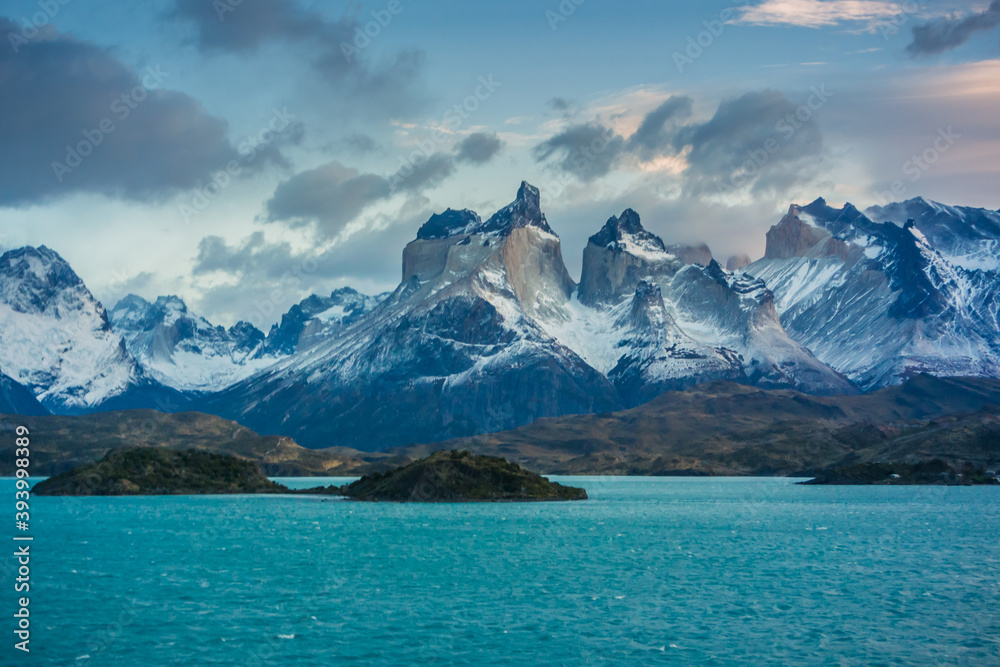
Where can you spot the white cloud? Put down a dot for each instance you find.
(818, 13)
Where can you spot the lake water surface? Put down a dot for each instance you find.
(648, 571)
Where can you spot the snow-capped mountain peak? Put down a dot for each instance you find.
(183, 350)
(36, 279)
(55, 338)
(882, 301)
(626, 234)
(317, 318)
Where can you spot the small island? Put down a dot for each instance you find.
(459, 476)
(934, 472)
(154, 471)
(446, 476)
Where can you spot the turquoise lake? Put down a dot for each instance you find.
(648, 571)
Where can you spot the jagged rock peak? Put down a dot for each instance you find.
(34, 277)
(832, 219)
(529, 194)
(524, 211)
(132, 302)
(449, 223)
(626, 230)
(647, 306)
(793, 237)
(246, 337)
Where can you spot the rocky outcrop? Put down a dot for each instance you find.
(453, 476)
(792, 237)
(620, 255)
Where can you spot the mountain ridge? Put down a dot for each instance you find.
(488, 331)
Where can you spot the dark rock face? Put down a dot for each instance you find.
(524, 211)
(449, 223)
(459, 477)
(246, 337)
(148, 471)
(618, 257)
(618, 232)
(16, 400)
(303, 324)
(792, 237)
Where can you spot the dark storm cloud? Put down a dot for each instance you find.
(587, 151)
(257, 260)
(941, 34)
(76, 119)
(761, 141)
(658, 130)
(336, 49)
(559, 104)
(327, 197)
(426, 173)
(272, 260)
(479, 148)
(361, 143)
(244, 26)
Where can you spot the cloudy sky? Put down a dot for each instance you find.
(244, 154)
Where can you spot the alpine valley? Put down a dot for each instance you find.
(488, 332)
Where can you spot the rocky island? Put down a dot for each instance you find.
(151, 471)
(459, 476)
(447, 476)
(935, 472)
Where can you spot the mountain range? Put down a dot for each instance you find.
(487, 331)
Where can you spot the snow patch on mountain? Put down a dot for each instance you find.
(880, 302)
(183, 350)
(55, 338)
